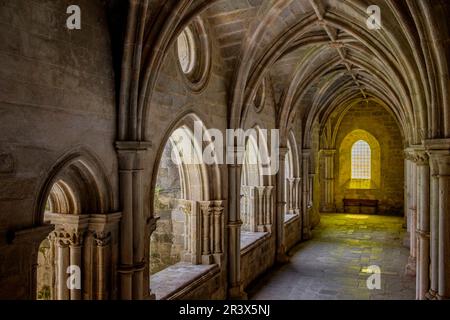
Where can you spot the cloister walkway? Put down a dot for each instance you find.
(333, 264)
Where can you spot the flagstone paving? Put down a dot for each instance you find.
(333, 264)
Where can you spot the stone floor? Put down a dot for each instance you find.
(333, 264)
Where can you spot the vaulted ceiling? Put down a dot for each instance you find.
(320, 54)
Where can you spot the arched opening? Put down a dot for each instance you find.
(251, 179)
(75, 191)
(187, 241)
(61, 200)
(289, 195)
(179, 184)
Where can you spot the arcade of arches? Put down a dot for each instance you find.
(102, 176)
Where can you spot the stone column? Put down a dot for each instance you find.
(311, 190)
(298, 194)
(103, 258)
(434, 231)
(132, 235)
(408, 183)
(268, 208)
(281, 207)
(290, 195)
(218, 223)
(412, 209)
(63, 262)
(259, 211)
(439, 151)
(306, 184)
(75, 245)
(235, 289)
(206, 214)
(406, 200)
(102, 242)
(444, 228)
(328, 204)
(423, 226)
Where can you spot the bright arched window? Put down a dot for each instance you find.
(361, 160)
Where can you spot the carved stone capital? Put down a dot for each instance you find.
(102, 239)
(205, 207)
(218, 207)
(261, 190)
(421, 158)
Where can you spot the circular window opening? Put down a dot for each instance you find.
(186, 50)
(193, 52)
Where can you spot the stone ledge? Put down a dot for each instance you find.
(250, 240)
(181, 278)
(290, 218)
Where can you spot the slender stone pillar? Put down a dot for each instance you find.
(306, 191)
(218, 222)
(235, 288)
(290, 195)
(406, 201)
(102, 242)
(439, 152)
(259, 212)
(434, 231)
(311, 190)
(63, 261)
(75, 245)
(328, 204)
(298, 194)
(206, 215)
(268, 208)
(423, 226)
(444, 227)
(132, 235)
(412, 209)
(281, 207)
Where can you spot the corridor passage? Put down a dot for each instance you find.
(333, 264)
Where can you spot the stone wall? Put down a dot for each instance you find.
(257, 259)
(167, 241)
(57, 93)
(379, 123)
(292, 232)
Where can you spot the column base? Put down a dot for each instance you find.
(431, 295)
(237, 293)
(218, 259)
(306, 234)
(261, 228)
(151, 296)
(410, 269)
(282, 257)
(207, 259)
